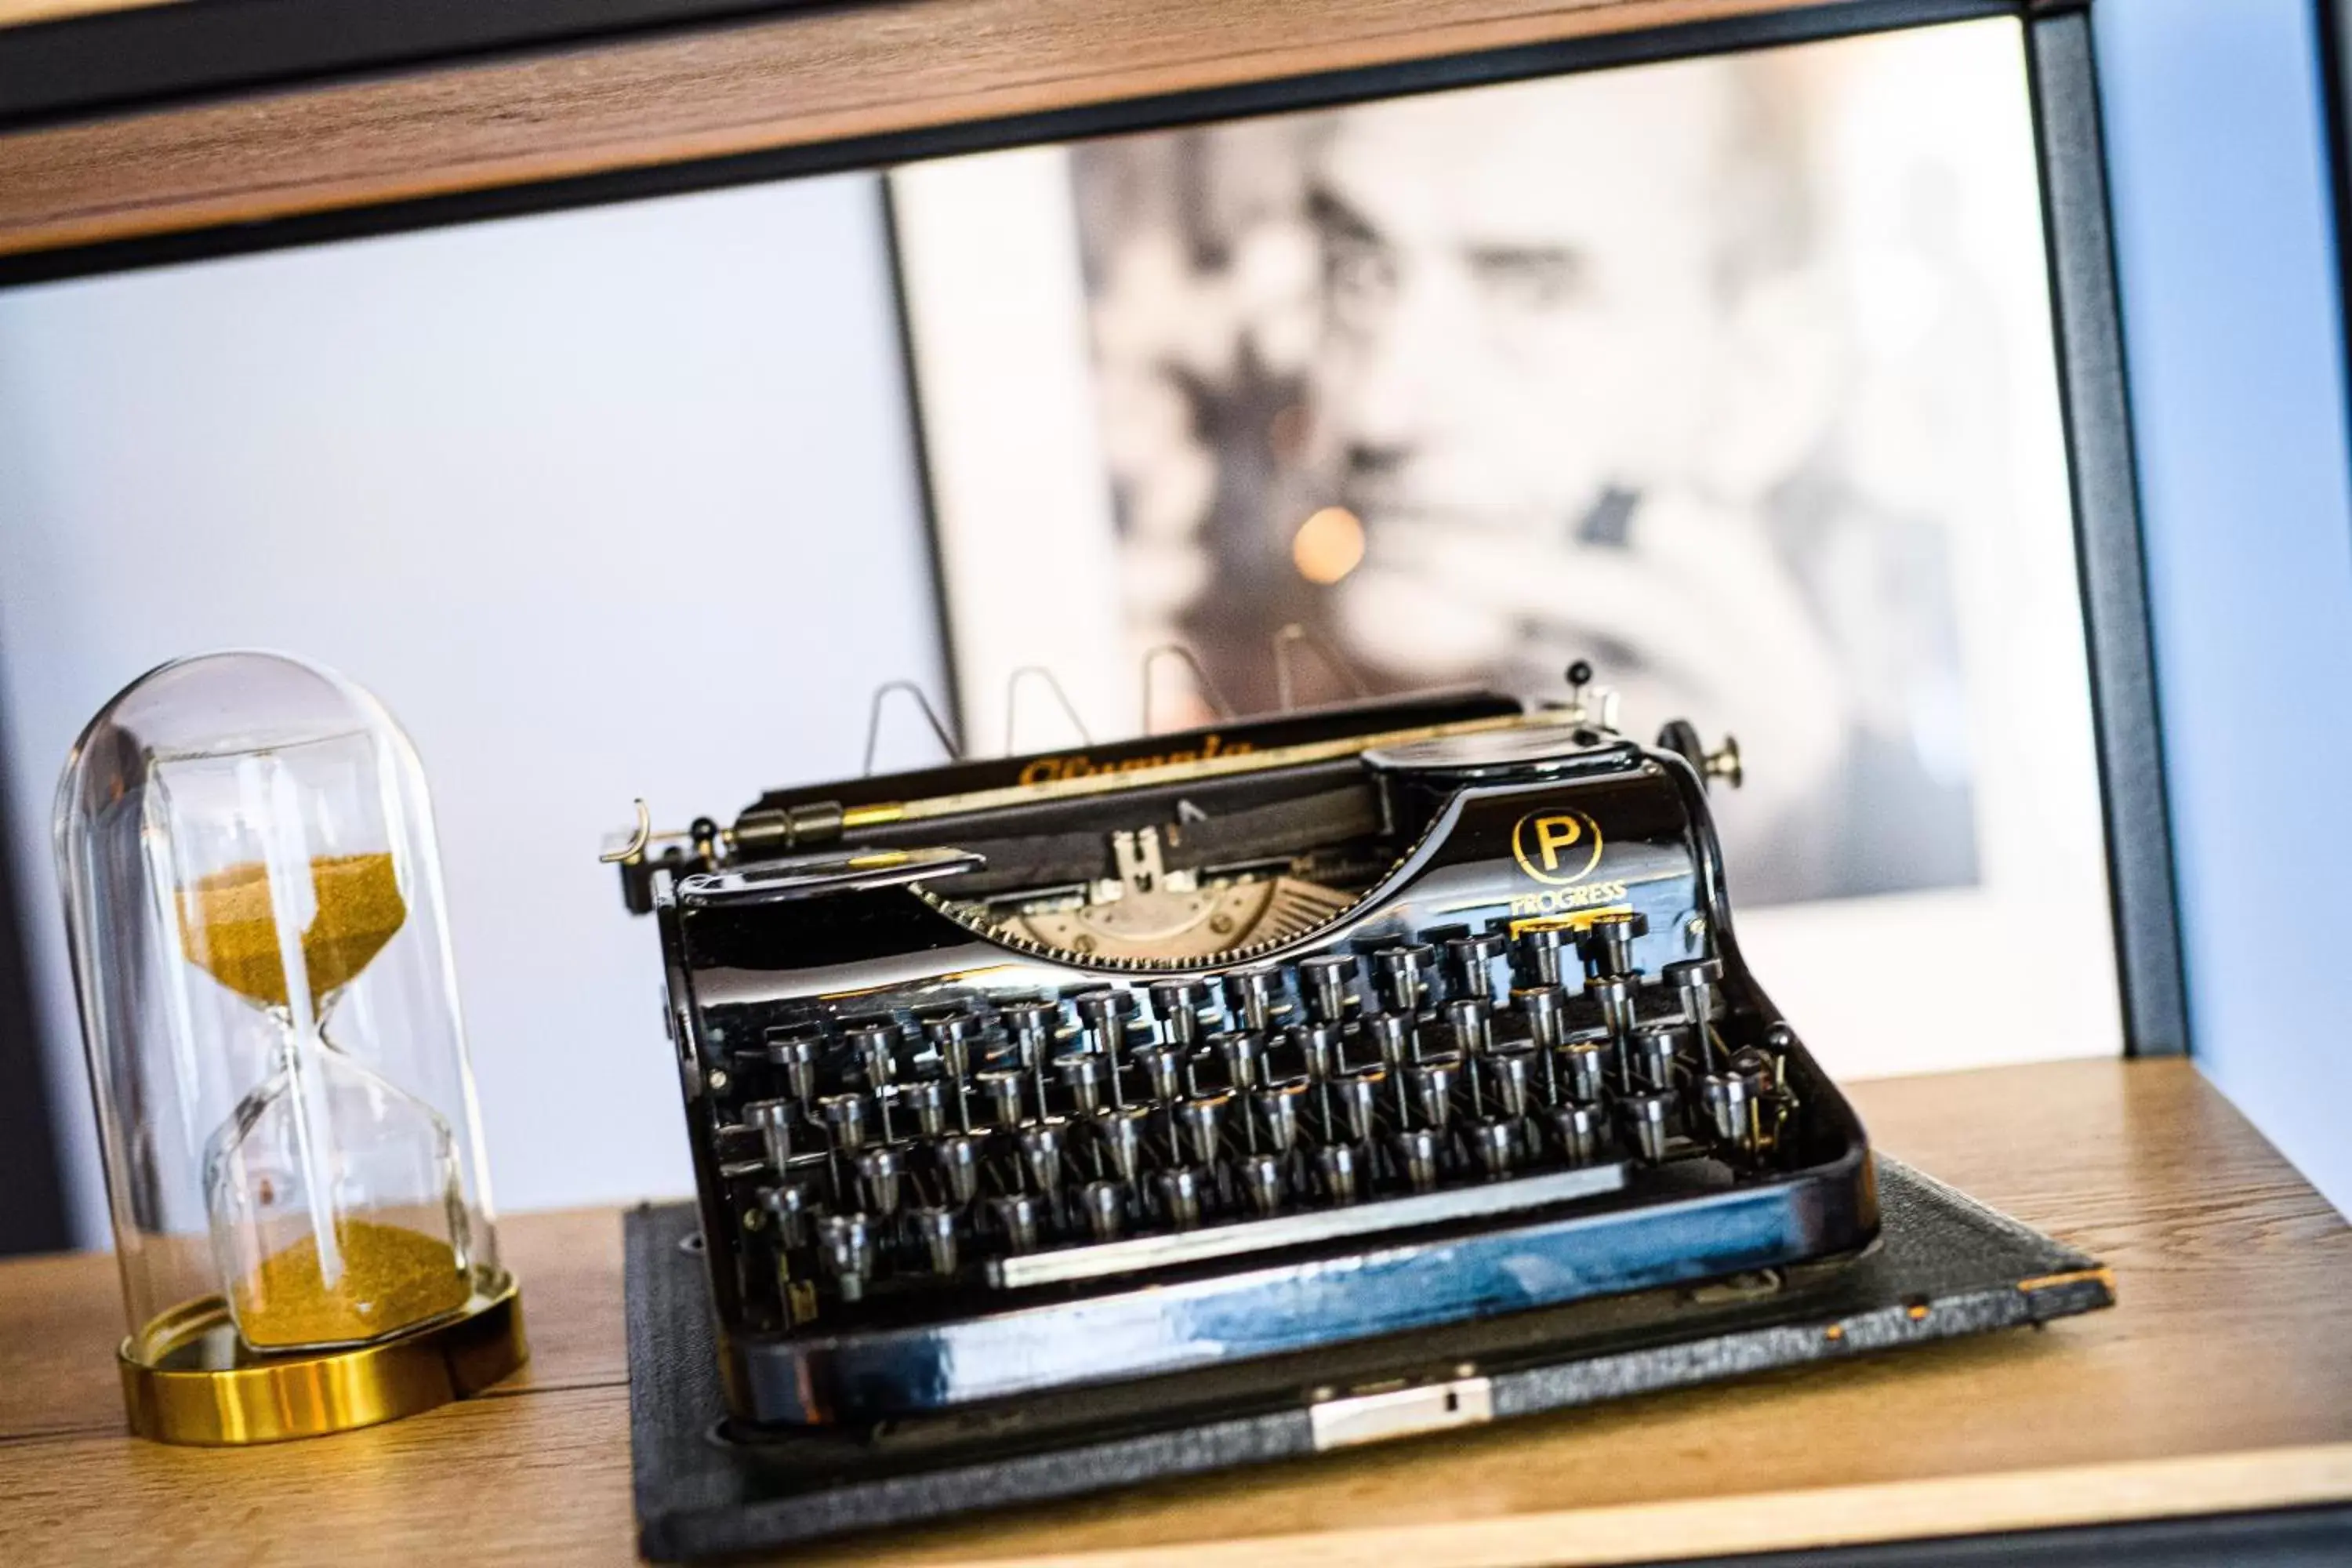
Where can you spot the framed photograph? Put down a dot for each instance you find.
(1735, 376)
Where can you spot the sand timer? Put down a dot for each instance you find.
(301, 1205)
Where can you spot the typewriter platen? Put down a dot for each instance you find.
(1187, 1059)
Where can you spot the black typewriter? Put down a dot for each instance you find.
(1318, 1069)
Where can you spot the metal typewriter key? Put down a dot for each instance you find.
(1105, 1206)
(1030, 1026)
(1200, 1121)
(792, 1207)
(1021, 1218)
(960, 1155)
(1177, 1005)
(773, 1120)
(1696, 982)
(794, 1049)
(1262, 1182)
(1608, 942)
(1510, 1069)
(1324, 981)
(846, 1245)
(1422, 1154)
(1042, 1149)
(1649, 1117)
(1180, 1192)
(1082, 1073)
(1103, 1015)
(1656, 1049)
(1474, 959)
(1539, 953)
(1402, 973)
(1163, 1069)
(875, 1043)
(1120, 1133)
(1472, 1021)
(1338, 1167)
(1432, 1092)
(1577, 1129)
(1003, 1089)
(1394, 1042)
(1730, 1104)
(1319, 1049)
(1244, 1055)
(1614, 994)
(927, 1098)
(1495, 1142)
(879, 1173)
(845, 1119)
(1359, 1093)
(1251, 994)
(939, 1227)
(952, 1038)
(1584, 1061)
(1277, 1113)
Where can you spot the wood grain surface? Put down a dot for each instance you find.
(2220, 1382)
(790, 81)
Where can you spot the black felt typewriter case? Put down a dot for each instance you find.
(1070, 1119)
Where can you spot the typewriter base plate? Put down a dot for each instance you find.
(1944, 1267)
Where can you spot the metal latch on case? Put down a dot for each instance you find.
(1401, 1412)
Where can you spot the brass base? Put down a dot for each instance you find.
(202, 1385)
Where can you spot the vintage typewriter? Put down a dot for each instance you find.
(1314, 1069)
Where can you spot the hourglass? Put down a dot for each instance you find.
(285, 1105)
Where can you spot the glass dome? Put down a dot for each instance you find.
(286, 1115)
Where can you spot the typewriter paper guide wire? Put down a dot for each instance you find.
(1299, 1013)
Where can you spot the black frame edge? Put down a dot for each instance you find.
(2095, 402)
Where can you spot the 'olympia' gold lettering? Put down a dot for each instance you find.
(1078, 766)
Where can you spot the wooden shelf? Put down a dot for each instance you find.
(790, 81)
(2219, 1383)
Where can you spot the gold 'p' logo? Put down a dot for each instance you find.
(1556, 847)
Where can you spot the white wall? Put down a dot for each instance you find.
(600, 504)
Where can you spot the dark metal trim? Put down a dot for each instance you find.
(2095, 404)
(155, 55)
(919, 440)
(1804, 24)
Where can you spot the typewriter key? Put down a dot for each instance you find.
(794, 1049)
(1495, 1142)
(1576, 1129)
(1277, 1113)
(1649, 1117)
(1422, 1154)
(845, 1247)
(1731, 1109)
(1103, 1014)
(1656, 1049)
(1252, 995)
(1432, 1092)
(1163, 1068)
(792, 1207)
(1031, 1025)
(845, 1118)
(958, 1155)
(1582, 1060)
(1120, 1133)
(1510, 1069)
(1359, 1094)
(927, 1098)
(1539, 953)
(940, 1229)
(1244, 1055)
(1042, 1150)
(1473, 958)
(773, 1120)
(1324, 980)
(1021, 1218)
(1607, 944)
(1545, 1008)
(1337, 1166)
(1393, 1040)
(1694, 981)
(1003, 1090)
(1402, 975)
(1105, 1206)
(1177, 1005)
(1202, 1121)
(1472, 1021)
(1614, 993)
(1262, 1182)
(951, 1037)
(1181, 1191)
(1084, 1073)
(879, 1170)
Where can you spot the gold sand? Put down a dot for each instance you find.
(392, 1276)
(228, 930)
